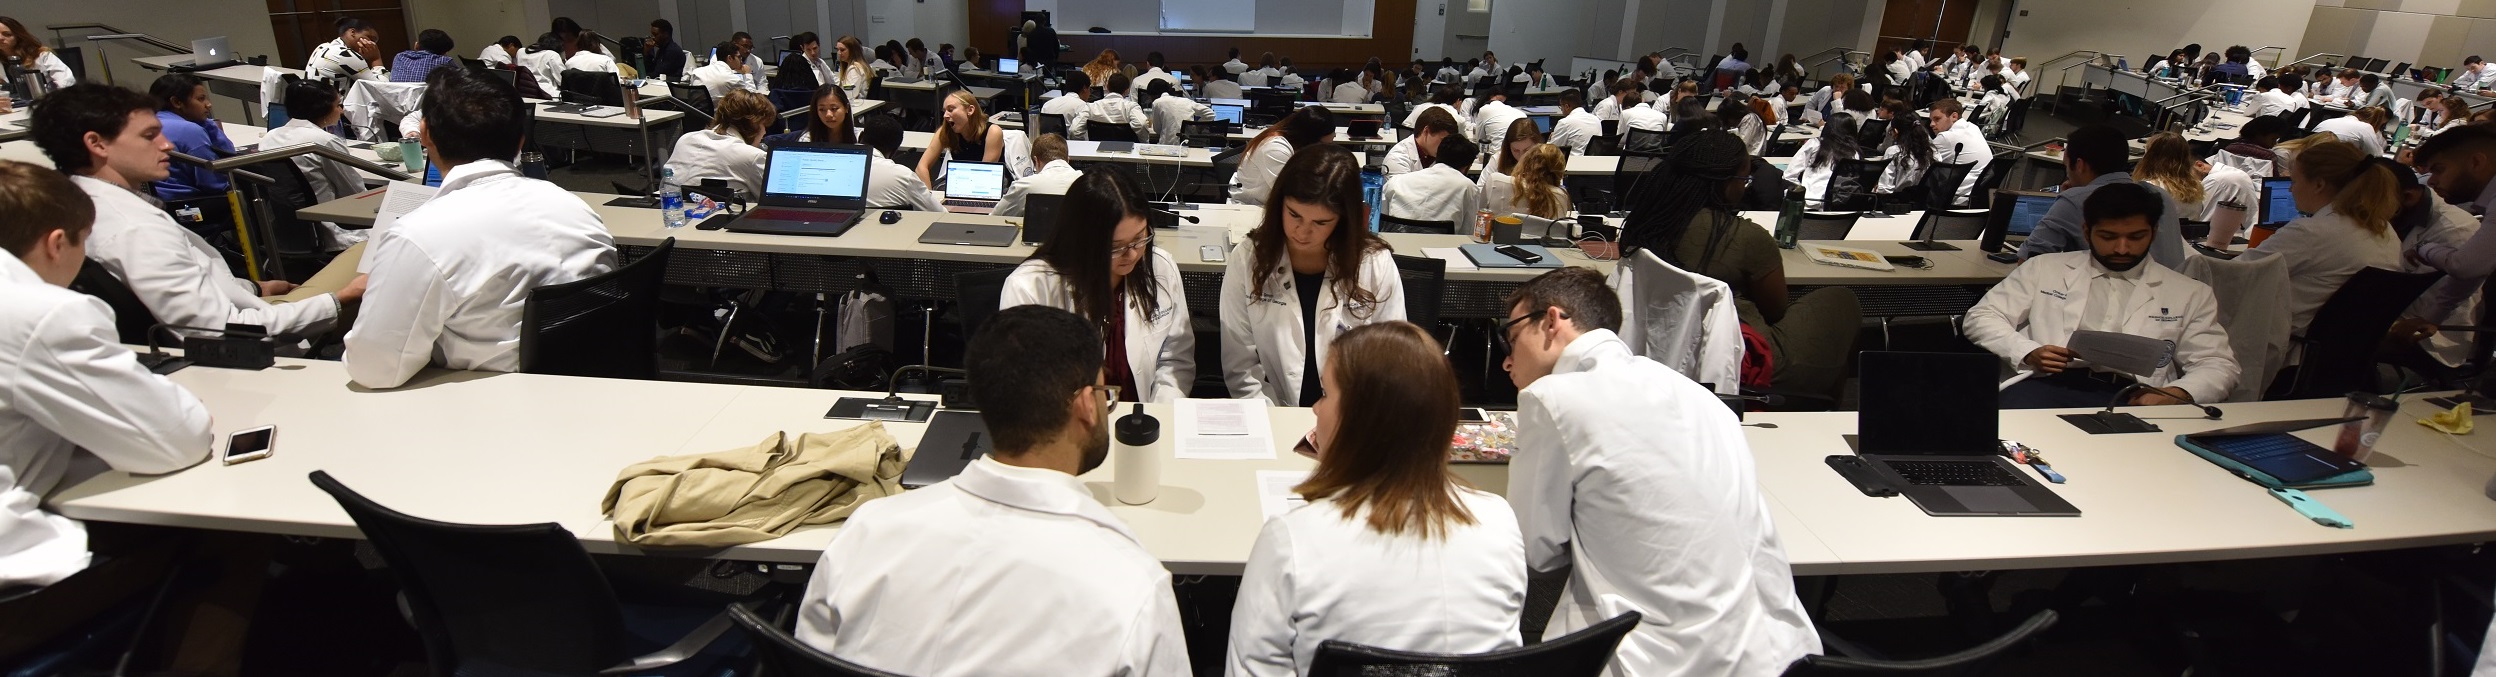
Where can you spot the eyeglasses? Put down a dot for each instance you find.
(1109, 399)
(1507, 330)
(1132, 247)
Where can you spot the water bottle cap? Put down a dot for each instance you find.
(1138, 428)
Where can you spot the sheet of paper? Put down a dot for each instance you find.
(1454, 256)
(397, 199)
(1223, 430)
(2127, 353)
(1274, 494)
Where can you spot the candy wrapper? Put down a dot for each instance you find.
(1491, 441)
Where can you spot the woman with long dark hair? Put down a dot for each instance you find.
(32, 55)
(1101, 264)
(1910, 152)
(1309, 272)
(831, 121)
(1817, 159)
(1271, 149)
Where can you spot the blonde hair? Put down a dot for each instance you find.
(2363, 189)
(979, 122)
(2168, 164)
(1538, 179)
(745, 114)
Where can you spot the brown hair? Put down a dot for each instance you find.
(1523, 128)
(34, 201)
(1581, 292)
(26, 46)
(1046, 148)
(746, 115)
(2363, 190)
(2373, 116)
(1436, 119)
(1325, 175)
(1398, 400)
(1538, 179)
(1841, 83)
(2168, 164)
(944, 132)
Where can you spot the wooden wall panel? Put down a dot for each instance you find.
(1391, 39)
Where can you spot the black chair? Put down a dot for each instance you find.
(696, 98)
(75, 58)
(1110, 131)
(1202, 134)
(1043, 123)
(2194, 231)
(1395, 224)
(1604, 146)
(520, 599)
(605, 326)
(1643, 142)
(1941, 184)
(1424, 280)
(591, 87)
(1611, 128)
(1997, 169)
(1851, 184)
(2338, 347)
(2017, 118)
(977, 294)
(1972, 661)
(131, 318)
(781, 654)
(1269, 99)
(1872, 132)
(1952, 224)
(1585, 652)
(295, 239)
(1827, 225)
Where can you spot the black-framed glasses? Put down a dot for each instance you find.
(1507, 330)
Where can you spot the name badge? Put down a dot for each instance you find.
(2163, 316)
(2057, 294)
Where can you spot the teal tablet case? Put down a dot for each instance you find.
(2358, 477)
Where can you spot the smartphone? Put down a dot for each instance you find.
(1519, 253)
(1908, 261)
(249, 445)
(1472, 414)
(1212, 254)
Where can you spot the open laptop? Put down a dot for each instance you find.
(1930, 424)
(211, 54)
(969, 234)
(2278, 205)
(1233, 114)
(1362, 129)
(974, 187)
(1009, 66)
(1542, 123)
(1040, 217)
(954, 439)
(2015, 213)
(809, 190)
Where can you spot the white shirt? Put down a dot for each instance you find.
(1805, 171)
(1070, 108)
(2323, 250)
(1904, 171)
(2451, 227)
(2356, 132)
(1136, 87)
(1172, 109)
(1499, 194)
(854, 78)
(1256, 78)
(1413, 120)
(2470, 78)
(1574, 131)
(2227, 188)
(2273, 102)
(594, 62)
(547, 67)
(1439, 193)
(1002, 571)
(707, 154)
(182, 280)
(1115, 108)
(2050, 296)
(1963, 144)
(1607, 108)
(1316, 575)
(494, 54)
(1351, 92)
(1263, 341)
(1161, 345)
(1292, 80)
(1222, 89)
(721, 77)
(1643, 118)
(447, 280)
(892, 186)
(333, 59)
(1235, 66)
(1623, 463)
(1255, 178)
(1491, 124)
(66, 385)
(2017, 81)
(329, 179)
(1403, 158)
(1052, 179)
(56, 71)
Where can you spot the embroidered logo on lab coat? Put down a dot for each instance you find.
(2057, 294)
(2163, 316)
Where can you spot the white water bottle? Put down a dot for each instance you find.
(1138, 479)
(671, 198)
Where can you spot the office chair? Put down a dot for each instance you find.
(1972, 661)
(976, 295)
(782, 654)
(1388, 223)
(2339, 343)
(1827, 225)
(1110, 131)
(1952, 224)
(605, 326)
(1584, 653)
(131, 318)
(1851, 184)
(292, 237)
(590, 87)
(1424, 280)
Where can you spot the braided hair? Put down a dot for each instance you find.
(1692, 183)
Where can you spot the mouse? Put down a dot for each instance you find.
(889, 218)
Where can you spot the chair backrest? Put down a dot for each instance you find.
(494, 599)
(695, 96)
(1642, 142)
(287, 192)
(1872, 132)
(1203, 134)
(1584, 653)
(131, 318)
(1110, 131)
(2340, 341)
(1043, 123)
(783, 655)
(605, 325)
(1611, 128)
(1997, 169)
(977, 293)
(2194, 231)
(1972, 661)
(1827, 225)
(1606, 145)
(596, 87)
(1424, 278)
(1952, 224)
(1388, 223)
(1941, 184)
(1851, 183)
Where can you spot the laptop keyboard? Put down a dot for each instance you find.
(1955, 473)
(970, 203)
(798, 215)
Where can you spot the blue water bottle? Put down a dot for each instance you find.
(671, 198)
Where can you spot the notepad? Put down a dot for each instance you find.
(1846, 256)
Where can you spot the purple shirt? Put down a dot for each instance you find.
(412, 65)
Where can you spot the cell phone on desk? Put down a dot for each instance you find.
(1518, 253)
(1472, 415)
(245, 446)
(1909, 261)
(1212, 254)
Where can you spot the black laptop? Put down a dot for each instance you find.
(1040, 217)
(954, 439)
(1930, 425)
(809, 190)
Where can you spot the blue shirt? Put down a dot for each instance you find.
(2062, 228)
(205, 141)
(412, 65)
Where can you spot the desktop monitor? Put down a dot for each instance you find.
(2278, 205)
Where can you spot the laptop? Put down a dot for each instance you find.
(969, 234)
(1362, 129)
(954, 439)
(2015, 213)
(1009, 66)
(974, 187)
(2278, 205)
(809, 190)
(1040, 217)
(211, 53)
(1243, 104)
(1233, 114)
(1930, 426)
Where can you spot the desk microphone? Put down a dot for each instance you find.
(2207, 411)
(2111, 422)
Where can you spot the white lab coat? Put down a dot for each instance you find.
(1607, 107)
(448, 279)
(1805, 172)
(708, 154)
(2356, 132)
(1439, 193)
(1491, 125)
(892, 186)
(1136, 87)
(53, 69)
(1904, 171)
(1316, 575)
(1499, 194)
(1413, 120)
(545, 65)
(2040, 303)
(1172, 109)
(67, 384)
(2451, 227)
(1623, 463)
(329, 179)
(1350, 92)
(179, 277)
(1116, 109)
(1964, 144)
(494, 55)
(1643, 118)
(334, 60)
(1683, 320)
(1070, 108)
(595, 62)
(1161, 344)
(721, 77)
(1574, 131)
(1403, 158)
(1254, 181)
(1262, 339)
(2323, 251)
(1051, 180)
(1002, 571)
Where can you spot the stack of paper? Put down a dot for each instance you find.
(1224, 430)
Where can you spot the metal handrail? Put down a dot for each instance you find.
(231, 163)
(2257, 53)
(2311, 57)
(159, 43)
(1841, 56)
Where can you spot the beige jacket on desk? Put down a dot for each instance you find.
(754, 494)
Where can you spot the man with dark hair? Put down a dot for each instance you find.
(433, 50)
(915, 58)
(1577, 126)
(355, 54)
(1010, 565)
(1156, 69)
(2029, 317)
(2093, 157)
(448, 278)
(2461, 164)
(1622, 463)
(503, 52)
(1958, 141)
(1114, 108)
(1439, 192)
(664, 58)
(890, 185)
(2473, 75)
(1075, 95)
(2252, 150)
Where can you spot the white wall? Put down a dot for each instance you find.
(2139, 29)
(1430, 26)
(1525, 30)
(473, 24)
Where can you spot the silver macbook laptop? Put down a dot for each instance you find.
(974, 187)
(1929, 425)
(809, 190)
(970, 234)
(208, 53)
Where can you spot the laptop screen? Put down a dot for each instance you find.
(2278, 205)
(2025, 213)
(1242, 103)
(1229, 113)
(974, 180)
(1005, 65)
(1928, 403)
(1543, 122)
(838, 172)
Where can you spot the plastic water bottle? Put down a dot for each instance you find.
(1790, 217)
(671, 198)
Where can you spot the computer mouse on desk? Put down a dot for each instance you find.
(890, 217)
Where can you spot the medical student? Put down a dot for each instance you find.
(803, 66)
(589, 54)
(1956, 140)
(312, 109)
(2096, 156)
(890, 185)
(1621, 463)
(1420, 149)
(1010, 568)
(108, 139)
(2473, 75)
(1493, 119)
(2460, 164)
(1817, 159)
(1576, 127)
(448, 279)
(1273, 148)
(1444, 97)
(1133, 294)
(1158, 69)
(2351, 199)
(544, 61)
(1171, 109)
(2363, 128)
(1075, 95)
(1387, 530)
(964, 134)
(2028, 318)
(433, 50)
(183, 109)
(666, 58)
(731, 149)
(70, 395)
(1049, 150)
(1309, 272)
(1440, 192)
(33, 55)
(1234, 66)
(1114, 108)
(1639, 116)
(503, 52)
(352, 55)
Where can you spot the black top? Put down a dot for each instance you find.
(973, 149)
(1311, 387)
(669, 62)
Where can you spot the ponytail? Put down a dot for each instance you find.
(2367, 193)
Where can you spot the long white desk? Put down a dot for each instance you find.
(516, 448)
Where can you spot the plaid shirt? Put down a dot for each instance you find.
(412, 65)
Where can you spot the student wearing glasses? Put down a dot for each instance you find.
(1132, 293)
(1308, 273)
